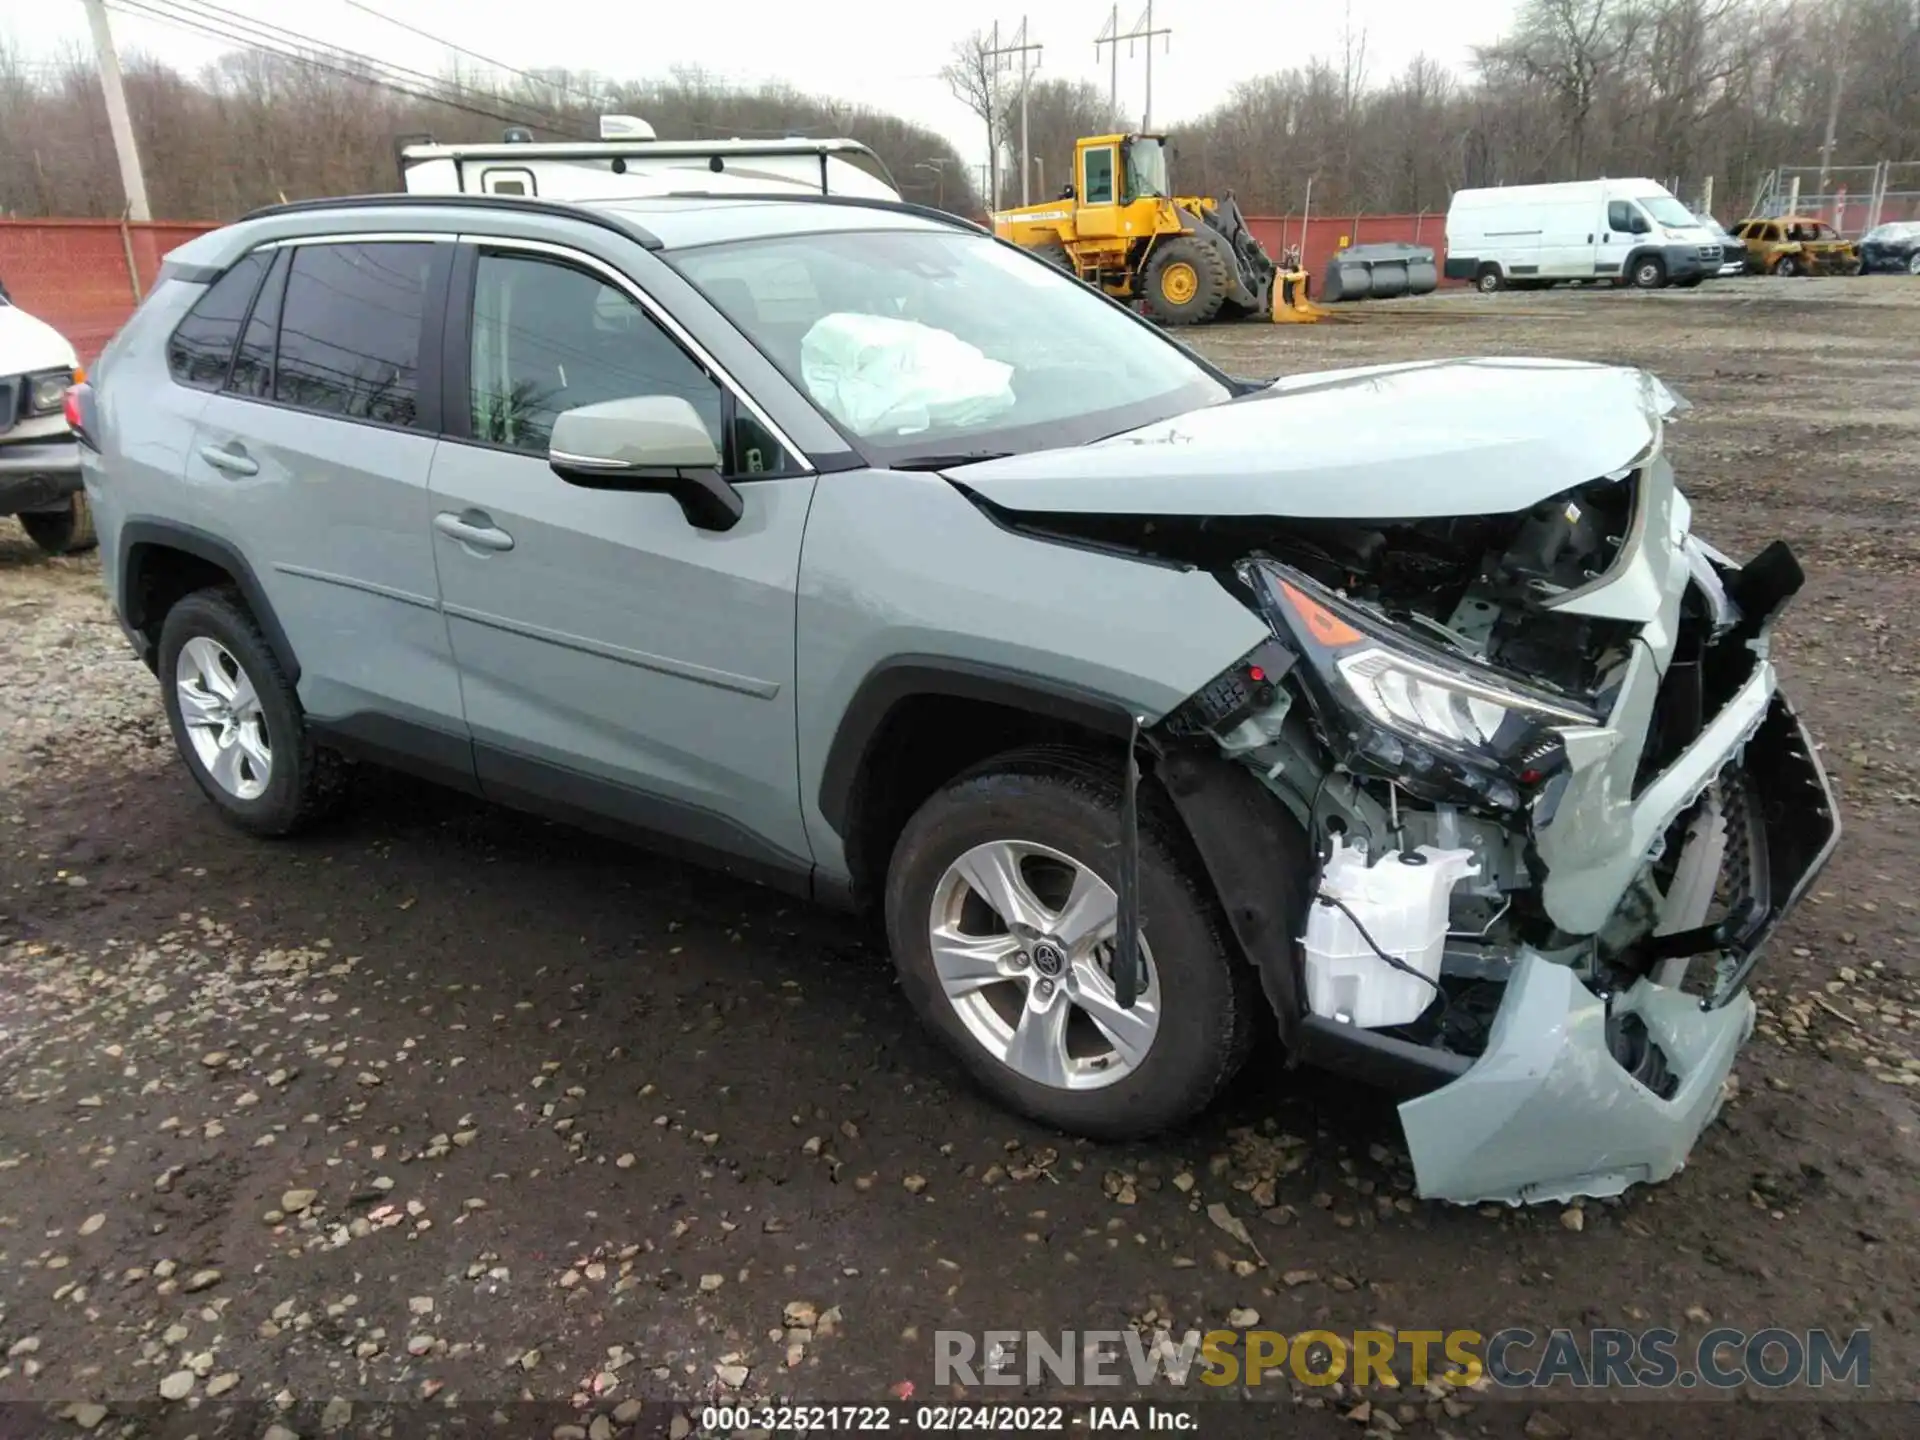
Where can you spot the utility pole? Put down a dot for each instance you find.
(1002, 56)
(1841, 45)
(1142, 30)
(131, 180)
(1110, 36)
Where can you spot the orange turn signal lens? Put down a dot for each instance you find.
(1325, 626)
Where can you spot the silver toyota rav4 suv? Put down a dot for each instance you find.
(845, 547)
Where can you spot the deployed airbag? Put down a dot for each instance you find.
(878, 375)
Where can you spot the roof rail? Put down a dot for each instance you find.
(526, 205)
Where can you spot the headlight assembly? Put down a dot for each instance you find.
(1432, 722)
(47, 391)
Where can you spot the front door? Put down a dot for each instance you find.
(1098, 215)
(1616, 239)
(614, 659)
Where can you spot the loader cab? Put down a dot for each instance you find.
(1115, 173)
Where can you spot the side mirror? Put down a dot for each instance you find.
(647, 442)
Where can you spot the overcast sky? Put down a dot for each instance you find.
(883, 53)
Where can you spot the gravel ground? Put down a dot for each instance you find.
(448, 1105)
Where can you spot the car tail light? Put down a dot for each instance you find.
(79, 411)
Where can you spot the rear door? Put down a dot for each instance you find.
(614, 659)
(316, 449)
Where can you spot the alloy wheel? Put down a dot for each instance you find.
(221, 710)
(1022, 942)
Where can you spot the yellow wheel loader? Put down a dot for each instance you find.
(1187, 258)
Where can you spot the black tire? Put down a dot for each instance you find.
(1209, 997)
(1649, 272)
(62, 532)
(1209, 281)
(1787, 267)
(304, 782)
(1913, 263)
(1055, 254)
(1489, 280)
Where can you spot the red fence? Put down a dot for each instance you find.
(80, 275)
(1328, 233)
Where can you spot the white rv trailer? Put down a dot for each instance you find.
(627, 162)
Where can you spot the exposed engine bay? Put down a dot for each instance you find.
(1519, 747)
(1506, 805)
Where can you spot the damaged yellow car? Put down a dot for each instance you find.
(1797, 245)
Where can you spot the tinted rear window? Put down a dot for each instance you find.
(202, 343)
(350, 330)
(253, 364)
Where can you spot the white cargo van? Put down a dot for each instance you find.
(1627, 231)
(627, 162)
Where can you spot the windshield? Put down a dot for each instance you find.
(1146, 169)
(925, 343)
(1667, 211)
(1894, 230)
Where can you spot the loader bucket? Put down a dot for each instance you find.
(1290, 303)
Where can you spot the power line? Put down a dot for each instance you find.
(526, 75)
(1142, 30)
(280, 34)
(250, 35)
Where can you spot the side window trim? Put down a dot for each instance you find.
(732, 392)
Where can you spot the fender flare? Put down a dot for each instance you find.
(140, 538)
(1635, 256)
(906, 677)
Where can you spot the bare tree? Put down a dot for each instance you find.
(1570, 46)
(972, 77)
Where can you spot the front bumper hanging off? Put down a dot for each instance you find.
(1547, 1112)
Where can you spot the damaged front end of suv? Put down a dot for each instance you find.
(1554, 800)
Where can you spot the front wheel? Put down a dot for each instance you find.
(1787, 267)
(1650, 272)
(1001, 907)
(1186, 282)
(1913, 263)
(67, 531)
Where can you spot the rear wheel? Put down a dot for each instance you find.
(62, 532)
(1787, 266)
(1913, 263)
(236, 718)
(1649, 272)
(1489, 280)
(1001, 905)
(1186, 282)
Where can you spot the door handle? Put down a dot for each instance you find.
(234, 462)
(474, 528)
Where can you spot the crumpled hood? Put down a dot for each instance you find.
(1404, 441)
